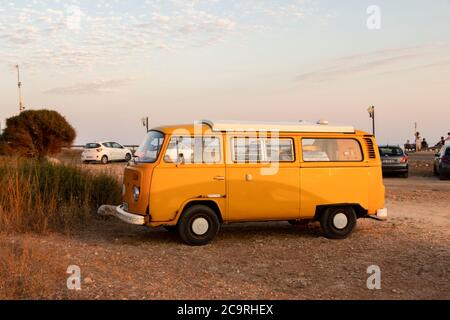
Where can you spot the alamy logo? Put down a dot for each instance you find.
(74, 280)
(374, 19)
(374, 280)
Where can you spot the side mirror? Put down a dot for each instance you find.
(181, 160)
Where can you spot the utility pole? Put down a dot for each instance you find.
(145, 122)
(19, 84)
(371, 111)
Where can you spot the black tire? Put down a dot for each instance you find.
(405, 175)
(201, 215)
(329, 222)
(128, 157)
(104, 160)
(442, 176)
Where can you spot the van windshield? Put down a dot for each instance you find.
(148, 151)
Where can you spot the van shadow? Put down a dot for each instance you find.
(116, 233)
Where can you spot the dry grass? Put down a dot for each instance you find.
(40, 196)
(23, 275)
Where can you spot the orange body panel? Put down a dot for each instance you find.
(243, 192)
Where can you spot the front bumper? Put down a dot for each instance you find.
(129, 218)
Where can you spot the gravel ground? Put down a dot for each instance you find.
(257, 261)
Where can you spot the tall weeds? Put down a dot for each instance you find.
(40, 196)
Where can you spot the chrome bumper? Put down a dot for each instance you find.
(129, 217)
(382, 213)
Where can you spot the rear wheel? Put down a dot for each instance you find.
(338, 222)
(104, 160)
(405, 175)
(442, 176)
(198, 225)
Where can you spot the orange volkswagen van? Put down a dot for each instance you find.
(194, 178)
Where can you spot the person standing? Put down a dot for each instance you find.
(448, 138)
(424, 145)
(418, 142)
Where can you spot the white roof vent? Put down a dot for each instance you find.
(323, 122)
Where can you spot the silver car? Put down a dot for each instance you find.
(394, 161)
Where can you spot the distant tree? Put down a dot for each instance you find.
(36, 134)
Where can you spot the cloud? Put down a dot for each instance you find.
(70, 34)
(60, 35)
(374, 61)
(91, 88)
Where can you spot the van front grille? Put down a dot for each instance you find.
(370, 148)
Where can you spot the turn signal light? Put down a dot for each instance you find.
(404, 159)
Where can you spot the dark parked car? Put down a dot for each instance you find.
(394, 160)
(442, 163)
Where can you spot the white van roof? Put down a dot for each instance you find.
(301, 126)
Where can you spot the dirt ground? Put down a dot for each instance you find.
(254, 261)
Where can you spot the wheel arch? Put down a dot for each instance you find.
(359, 210)
(213, 205)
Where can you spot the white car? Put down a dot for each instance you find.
(105, 152)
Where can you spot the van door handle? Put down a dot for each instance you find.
(219, 178)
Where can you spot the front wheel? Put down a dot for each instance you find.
(338, 222)
(128, 157)
(198, 225)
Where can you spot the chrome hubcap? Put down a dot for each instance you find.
(340, 221)
(200, 226)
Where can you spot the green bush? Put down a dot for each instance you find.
(40, 196)
(36, 134)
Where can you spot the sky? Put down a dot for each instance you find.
(105, 64)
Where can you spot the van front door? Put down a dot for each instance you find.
(191, 169)
(263, 179)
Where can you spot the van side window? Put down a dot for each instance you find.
(281, 150)
(331, 150)
(256, 150)
(194, 150)
(247, 150)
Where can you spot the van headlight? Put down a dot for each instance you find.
(136, 193)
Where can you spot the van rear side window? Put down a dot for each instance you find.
(331, 150)
(255, 150)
